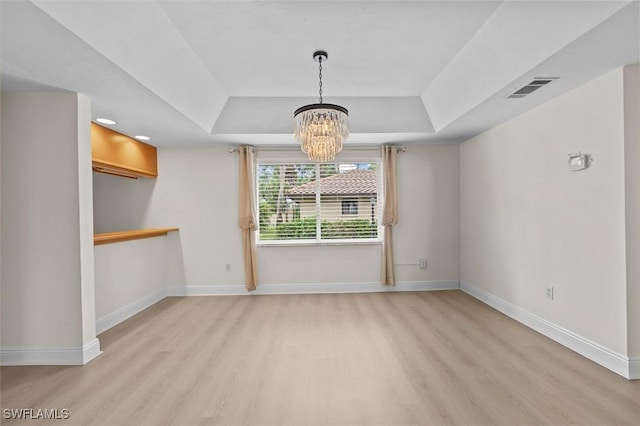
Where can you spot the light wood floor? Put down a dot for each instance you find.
(427, 358)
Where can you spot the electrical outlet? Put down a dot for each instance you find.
(227, 267)
(549, 293)
(423, 263)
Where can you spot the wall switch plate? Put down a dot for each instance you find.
(227, 267)
(549, 293)
(423, 263)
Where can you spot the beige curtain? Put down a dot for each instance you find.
(389, 212)
(247, 217)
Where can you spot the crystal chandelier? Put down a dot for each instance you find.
(321, 128)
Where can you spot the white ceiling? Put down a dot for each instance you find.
(198, 73)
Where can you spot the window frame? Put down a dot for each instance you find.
(319, 241)
(352, 206)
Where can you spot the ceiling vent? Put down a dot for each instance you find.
(531, 87)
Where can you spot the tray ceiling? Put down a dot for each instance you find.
(200, 73)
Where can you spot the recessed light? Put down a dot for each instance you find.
(142, 138)
(105, 121)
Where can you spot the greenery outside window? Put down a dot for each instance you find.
(318, 203)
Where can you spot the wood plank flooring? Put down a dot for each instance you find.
(427, 358)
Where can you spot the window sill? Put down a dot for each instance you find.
(314, 243)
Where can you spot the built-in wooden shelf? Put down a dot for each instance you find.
(116, 154)
(136, 234)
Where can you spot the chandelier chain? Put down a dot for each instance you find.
(320, 76)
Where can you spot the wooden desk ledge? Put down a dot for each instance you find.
(136, 234)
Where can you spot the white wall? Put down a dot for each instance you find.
(85, 220)
(428, 223)
(196, 190)
(119, 203)
(130, 276)
(632, 196)
(527, 222)
(47, 232)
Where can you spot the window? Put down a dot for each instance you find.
(318, 202)
(349, 207)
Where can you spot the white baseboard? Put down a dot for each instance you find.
(91, 350)
(226, 290)
(634, 368)
(615, 362)
(50, 356)
(126, 312)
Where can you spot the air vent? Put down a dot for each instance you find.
(531, 87)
